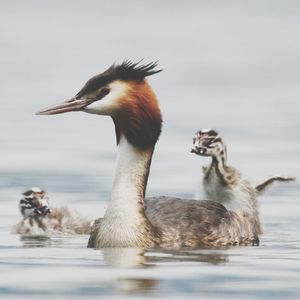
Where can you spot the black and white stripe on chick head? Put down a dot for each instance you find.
(34, 203)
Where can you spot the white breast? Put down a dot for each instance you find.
(234, 197)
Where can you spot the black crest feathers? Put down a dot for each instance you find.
(135, 71)
(125, 71)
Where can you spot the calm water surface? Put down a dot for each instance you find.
(234, 67)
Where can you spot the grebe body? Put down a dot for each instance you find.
(129, 221)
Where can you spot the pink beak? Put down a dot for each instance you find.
(70, 105)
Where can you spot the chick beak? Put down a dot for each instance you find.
(193, 150)
(67, 106)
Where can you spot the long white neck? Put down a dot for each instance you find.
(124, 223)
(130, 180)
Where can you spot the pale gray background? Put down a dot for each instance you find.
(231, 65)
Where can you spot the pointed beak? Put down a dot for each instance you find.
(199, 149)
(70, 105)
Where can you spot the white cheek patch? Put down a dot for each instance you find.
(109, 103)
(100, 107)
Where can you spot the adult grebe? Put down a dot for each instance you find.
(225, 184)
(123, 93)
(38, 218)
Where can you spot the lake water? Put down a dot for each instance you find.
(233, 66)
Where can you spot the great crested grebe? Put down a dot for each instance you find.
(123, 93)
(38, 218)
(225, 184)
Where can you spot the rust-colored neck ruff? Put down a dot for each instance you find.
(138, 116)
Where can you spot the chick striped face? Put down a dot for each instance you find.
(34, 203)
(207, 142)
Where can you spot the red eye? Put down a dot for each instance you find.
(104, 92)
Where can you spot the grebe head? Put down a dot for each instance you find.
(34, 203)
(37, 195)
(122, 93)
(207, 142)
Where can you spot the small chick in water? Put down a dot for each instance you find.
(225, 184)
(34, 203)
(40, 219)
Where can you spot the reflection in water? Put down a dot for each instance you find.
(133, 268)
(40, 241)
(134, 257)
(207, 256)
(132, 284)
(129, 258)
(124, 257)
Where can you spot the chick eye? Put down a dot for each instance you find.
(104, 91)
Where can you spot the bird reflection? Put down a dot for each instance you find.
(40, 241)
(129, 258)
(134, 257)
(214, 257)
(124, 257)
(133, 286)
